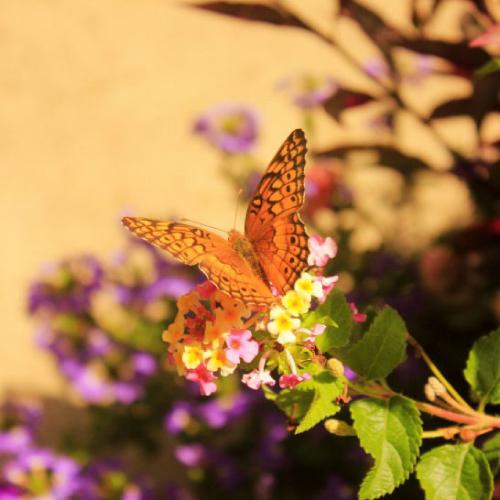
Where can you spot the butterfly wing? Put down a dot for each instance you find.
(272, 223)
(214, 256)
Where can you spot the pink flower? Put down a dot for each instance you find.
(328, 283)
(205, 379)
(291, 380)
(490, 37)
(321, 250)
(241, 345)
(356, 315)
(317, 330)
(256, 378)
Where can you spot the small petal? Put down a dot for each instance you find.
(321, 250)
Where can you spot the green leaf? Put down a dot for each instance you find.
(483, 368)
(455, 472)
(380, 349)
(391, 432)
(491, 450)
(336, 315)
(321, 390)
(293, 403)
(487, 69)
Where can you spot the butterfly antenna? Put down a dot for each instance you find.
(204, 225)
(236, 208)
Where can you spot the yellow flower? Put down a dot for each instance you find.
(295, 303)
(192, 356)
(308, 287)
(282, 325)
(216, 359)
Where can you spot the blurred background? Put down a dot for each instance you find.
(166, 109)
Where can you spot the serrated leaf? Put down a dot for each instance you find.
(391, 432)
(491, 450)
(490, 67)
(483, 368)
(380, 349)
(491, 447)
(338, 323)
(455, 472)
(293, 403)
(323, 389)
(319, 409)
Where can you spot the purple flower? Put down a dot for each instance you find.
(18, 423)
(191, 455)
(106, 479)
(218, 413)
(232, 128)
(66, 286)
(41, 473)
(179, 417)
(309, 91)
(101, 384)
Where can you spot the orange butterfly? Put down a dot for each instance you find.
(273, 250)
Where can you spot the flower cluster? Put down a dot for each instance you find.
(18, 424)
(208, 336)
(39, 473)
(285, 322)
(101, 322)
(67, 286)
(100, 369)
(230, 127)
(106, 479)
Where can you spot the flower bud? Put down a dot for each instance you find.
(437, 386)
(339, 427)
(430, 394)
(468, 435)
(336, 367)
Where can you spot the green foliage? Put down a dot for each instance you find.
(489, 68)
(459, 472)
(312, 400)
(491, 449)
(483, 368)
(381, 349)
(391, 432)
(336, 315)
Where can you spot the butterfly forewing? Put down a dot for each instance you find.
(272, 224)
(213, 254)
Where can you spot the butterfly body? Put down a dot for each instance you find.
(273, 251)
(243, 247)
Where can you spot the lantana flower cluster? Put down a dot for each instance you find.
(211, 334)
(208, 336)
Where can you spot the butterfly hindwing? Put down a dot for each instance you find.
(283, 251)
(272, 224)
(214, 256)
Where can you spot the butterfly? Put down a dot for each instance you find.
(273, 251)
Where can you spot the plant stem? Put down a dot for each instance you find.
(435, 370)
